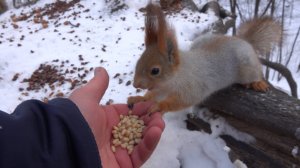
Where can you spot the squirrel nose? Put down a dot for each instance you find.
(136, 84)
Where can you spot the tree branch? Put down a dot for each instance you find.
(285, 72)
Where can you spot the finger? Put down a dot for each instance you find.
(122, 109)
(147, 118)
(141, 108)
(98, 84)
(123, 158)
(154, 121)
(146, 147)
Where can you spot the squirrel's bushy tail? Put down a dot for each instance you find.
(261, 33)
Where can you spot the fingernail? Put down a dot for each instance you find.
(97, 70)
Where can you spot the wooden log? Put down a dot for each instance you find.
(272, 118)
(253, 157)
(248, 153)
(273, 111)
(271, 145)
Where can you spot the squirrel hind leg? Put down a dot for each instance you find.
(260, 86)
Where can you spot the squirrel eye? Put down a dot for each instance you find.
(155, 71)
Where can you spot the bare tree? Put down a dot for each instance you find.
(293, 46)
(279, 59)
(3, 6)
(256, 8)
(233, 11)
(271, 3)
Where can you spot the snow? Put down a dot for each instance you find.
(295, 151)
(297, 133)
(239, 164)
(115, 42)
(189, 148)
(219, 126)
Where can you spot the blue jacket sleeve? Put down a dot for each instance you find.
(52, 135)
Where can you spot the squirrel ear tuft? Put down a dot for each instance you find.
(155, 27)
(150, 25)
(172, 48)
(158, 32)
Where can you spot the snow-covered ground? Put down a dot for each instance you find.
(115, 42)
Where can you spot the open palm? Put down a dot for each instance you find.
(101, 120)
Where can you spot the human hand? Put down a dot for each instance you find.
(101, 120)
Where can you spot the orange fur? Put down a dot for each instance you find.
(150, 29)
(261, 86)
(215, 43)
(172, 37)
(261, 33)
(157, 31)
(162, 31)
(155, 27)
(171, 103)
(134, 99)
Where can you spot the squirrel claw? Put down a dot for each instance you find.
(130, 106)
(134, 99)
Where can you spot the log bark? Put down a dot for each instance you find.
(274, 110)
(273, 118)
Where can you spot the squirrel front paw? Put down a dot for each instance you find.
(154, 108)
(260, 86)
(134, 99)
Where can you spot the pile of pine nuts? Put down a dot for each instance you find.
(128, 132)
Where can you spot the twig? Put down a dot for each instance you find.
(240, 13)
(293, 46)
(266, 9)
(285, 72)
(232, 7)
(281, 42)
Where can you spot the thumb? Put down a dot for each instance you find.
(97, 86)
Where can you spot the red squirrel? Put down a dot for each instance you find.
(180, 79)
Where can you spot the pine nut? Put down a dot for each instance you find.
(113, 148)
(128, 132)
